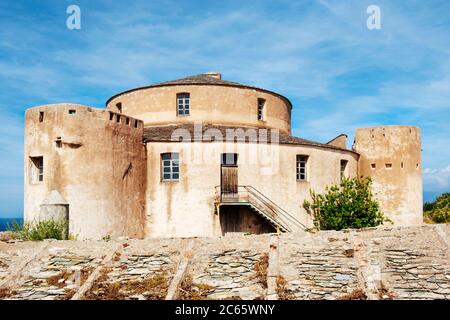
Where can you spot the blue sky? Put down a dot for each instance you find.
(320, 54)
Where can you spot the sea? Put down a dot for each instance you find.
(5, 222)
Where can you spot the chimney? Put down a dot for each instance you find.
(214, 74)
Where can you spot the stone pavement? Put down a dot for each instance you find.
(376, 263)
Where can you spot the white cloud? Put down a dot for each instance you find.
(437, 180)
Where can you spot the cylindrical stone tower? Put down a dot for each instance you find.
(391, 155)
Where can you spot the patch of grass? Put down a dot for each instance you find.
(260, 269)
(356, 294)
(7, 236)
(153, 288)
(37, 231)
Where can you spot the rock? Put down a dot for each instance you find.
(138, 271)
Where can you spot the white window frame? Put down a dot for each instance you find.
(37, 169)
(183, 104)
(170, 166)
(302, 167)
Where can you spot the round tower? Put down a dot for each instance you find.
(205, 98)
(391, 156)
(93, 159)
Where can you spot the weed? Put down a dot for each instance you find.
(6, 293)
(282, 291)
(356, 294)
(260, 269)
(36, 231)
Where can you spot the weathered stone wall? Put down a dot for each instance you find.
(95, 160)
(208, 103)
(185, 208)
(381, 263)
(391, 156)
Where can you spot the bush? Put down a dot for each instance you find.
(344, 206)
(438, 211)
(41, 230)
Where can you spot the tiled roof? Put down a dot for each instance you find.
(199, 79)
(233, 133)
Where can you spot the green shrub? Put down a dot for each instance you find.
(348, 205)
(438, 211)
(41, 230)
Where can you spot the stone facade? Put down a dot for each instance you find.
(107, 164)
(379, 263)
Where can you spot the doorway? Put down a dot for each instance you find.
(229, 177)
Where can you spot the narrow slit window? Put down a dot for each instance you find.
(127, 121)
(117, 118)
(183, 104)
(111, 116)
(170, 166)
(41, 116)
(302, 161)
(37, 169)
(343, 168)
(261, 104)
(119, 106)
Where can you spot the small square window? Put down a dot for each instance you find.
(229, 159)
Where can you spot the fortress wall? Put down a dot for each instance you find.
(95, 160)
(186, 207)
(391, 155)
(208, 104)
(378, 263)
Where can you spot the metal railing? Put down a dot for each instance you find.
(268, 208)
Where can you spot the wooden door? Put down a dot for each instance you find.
(229, 183)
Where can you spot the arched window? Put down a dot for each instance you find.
(183, 104)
